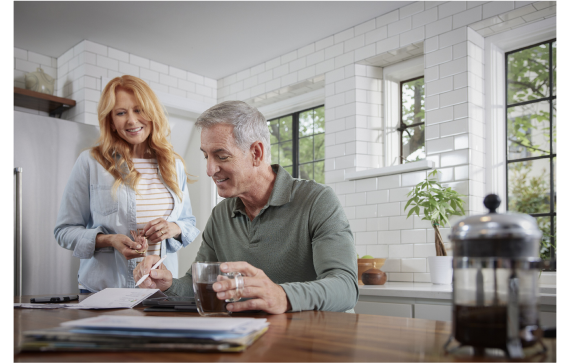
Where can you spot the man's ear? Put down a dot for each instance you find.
(257, 152)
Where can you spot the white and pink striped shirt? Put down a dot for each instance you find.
(153, 199)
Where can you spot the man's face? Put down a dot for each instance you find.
(229, 167)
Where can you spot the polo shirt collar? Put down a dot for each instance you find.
(280, 195)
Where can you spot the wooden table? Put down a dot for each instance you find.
(304, 336)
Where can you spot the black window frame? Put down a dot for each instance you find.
(402, 126)
(295, 129)
(551, 156)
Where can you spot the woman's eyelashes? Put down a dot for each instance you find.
(121, 113)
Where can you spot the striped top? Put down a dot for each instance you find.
(153, 199)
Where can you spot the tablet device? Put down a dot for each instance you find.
(171, 303)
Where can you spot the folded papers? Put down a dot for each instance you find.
(119, 333)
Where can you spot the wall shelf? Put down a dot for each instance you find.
(42, 102)
(390, 170)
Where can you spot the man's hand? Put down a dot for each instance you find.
(159, 229)
(160, 278)
(121, 243)
(265, 294)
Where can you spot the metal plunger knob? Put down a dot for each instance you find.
(492, 202)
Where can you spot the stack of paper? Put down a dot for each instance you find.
(112, 332)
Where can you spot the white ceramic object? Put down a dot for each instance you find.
(40, 82)
(441, 269)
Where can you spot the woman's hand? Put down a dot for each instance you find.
(158, 230)
(122, 243)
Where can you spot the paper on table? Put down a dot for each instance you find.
(38, 306)
(116, 298)
(240, 325)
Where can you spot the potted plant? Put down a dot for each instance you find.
(438, 205)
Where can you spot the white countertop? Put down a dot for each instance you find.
(427, 290)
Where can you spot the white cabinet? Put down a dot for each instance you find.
(433, 312)
(378, 308)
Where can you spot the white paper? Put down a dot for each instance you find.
(229, 324)
(116, 298)
(38, 306)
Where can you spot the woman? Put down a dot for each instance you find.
(132, 180)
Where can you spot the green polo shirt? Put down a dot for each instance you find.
(301, 239)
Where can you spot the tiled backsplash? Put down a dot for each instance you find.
(375, 209)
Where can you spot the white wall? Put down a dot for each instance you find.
(200, 197)
(452, 34)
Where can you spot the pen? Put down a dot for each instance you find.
(152, 268)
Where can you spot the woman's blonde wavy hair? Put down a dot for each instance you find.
(114, 153)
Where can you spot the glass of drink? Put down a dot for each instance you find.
(204, 275)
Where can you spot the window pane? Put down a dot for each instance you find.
(273, 131)
(319, 146)
(306, 149)
(319, 122)
(413, 144)
(289, 170)
(275, 154)
(554, 182)
(286, 154)
(320, 172)
(544, 225)
(528, 128)
(527, 74)
(306, 123)
(306, 171)
(529, 186)
(555, 239)
(413, 102)
(554, 69)
(286, 128)
(554, 126)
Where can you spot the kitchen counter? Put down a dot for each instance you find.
(427, 290)
(425, 300)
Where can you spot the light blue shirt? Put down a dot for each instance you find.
(89, 208)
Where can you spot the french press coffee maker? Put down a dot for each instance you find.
(495, 281)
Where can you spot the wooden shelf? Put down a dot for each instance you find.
(41, 101)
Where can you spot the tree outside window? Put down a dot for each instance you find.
(412, 120)
(298, 143)
(531, 137)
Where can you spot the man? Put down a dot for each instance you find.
(291, 237)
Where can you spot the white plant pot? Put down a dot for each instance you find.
(441, 269)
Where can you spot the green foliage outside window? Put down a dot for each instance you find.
(531, 134)
(308, 157)
(412, 126)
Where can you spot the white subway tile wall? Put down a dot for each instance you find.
(25, 62)
(354, 113)
(78, 75)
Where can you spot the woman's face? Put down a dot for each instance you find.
(127, 118)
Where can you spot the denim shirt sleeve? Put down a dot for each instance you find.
(186, 221)
(74, 217)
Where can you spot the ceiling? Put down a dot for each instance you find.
(213, 39)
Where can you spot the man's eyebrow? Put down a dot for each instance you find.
(215, 151)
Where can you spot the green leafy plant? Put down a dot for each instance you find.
(438, 205)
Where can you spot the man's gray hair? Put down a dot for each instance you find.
(249, 124)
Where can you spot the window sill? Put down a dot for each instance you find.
(390, 170)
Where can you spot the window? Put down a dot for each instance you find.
(412, 120)
(531, 137)
(298, 143)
